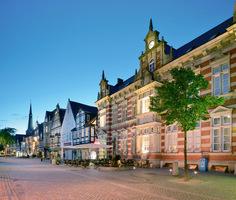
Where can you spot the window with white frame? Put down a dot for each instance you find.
(221, 133)
(171, 138)
(144, 102)
(103, 118)
(133, 145)
(124, 110)
(221, 80)
(145, 143)
(143, 105)
(151, 66)
(114, 114)
(123, 146)
(123, 142)
(194, 139)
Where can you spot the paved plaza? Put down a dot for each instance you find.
(26, 179)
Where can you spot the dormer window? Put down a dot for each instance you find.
(151, 66)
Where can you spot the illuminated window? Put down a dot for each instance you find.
(144, 104)
(171, 138)
(103, 118)
(194, 139)
(145, 144)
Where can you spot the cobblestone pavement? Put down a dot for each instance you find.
(29, 179)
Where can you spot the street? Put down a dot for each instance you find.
(26, 179)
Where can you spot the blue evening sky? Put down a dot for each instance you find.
(54, 50)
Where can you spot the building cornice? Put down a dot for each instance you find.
(151, 85)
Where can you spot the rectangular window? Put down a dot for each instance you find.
(221, 134)
(133, 145)
(171, 138)
(123, 146)
(226, 120)
(194, 141)
(144, 104)
(216, 121)
(145, 144)
(103, 120)
(216, 139)
(226, 139)
(221, 80)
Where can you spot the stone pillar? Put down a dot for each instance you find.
(175, 169)
(62, 153)
(161, 164)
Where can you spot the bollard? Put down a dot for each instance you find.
(175, 169)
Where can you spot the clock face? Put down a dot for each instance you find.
(151, 44)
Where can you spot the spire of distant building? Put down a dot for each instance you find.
(150, 25)
(30, 128)
(103, 75)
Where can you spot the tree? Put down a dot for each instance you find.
(179, 101)
(7, 136)
(1, 147)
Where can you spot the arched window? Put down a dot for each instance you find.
(151, 66)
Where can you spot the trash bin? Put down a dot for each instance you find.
(203, 165)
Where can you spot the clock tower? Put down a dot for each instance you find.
(156, 54)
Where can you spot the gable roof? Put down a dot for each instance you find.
(75, 107)
(62, 112)
(49, 115)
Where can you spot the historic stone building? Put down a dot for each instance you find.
(125, 121)
(52, 131)
(32, 143)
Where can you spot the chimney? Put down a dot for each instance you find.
(119, 81)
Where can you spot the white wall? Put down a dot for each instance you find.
(67, 125)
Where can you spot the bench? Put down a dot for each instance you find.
(220, 168)
(168, 165)
(192, 166)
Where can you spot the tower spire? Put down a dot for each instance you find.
(30, 128)
(103, 75)
(150, 25)
(30, 112)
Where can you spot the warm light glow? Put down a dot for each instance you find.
(93, 155)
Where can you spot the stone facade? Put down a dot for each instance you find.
(52, 131)
(124, 119)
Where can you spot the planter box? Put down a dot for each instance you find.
(109, 169)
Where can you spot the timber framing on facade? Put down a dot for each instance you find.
(124, 119)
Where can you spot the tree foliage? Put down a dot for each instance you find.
(180, 101)
(7, 136)
(1, 147)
